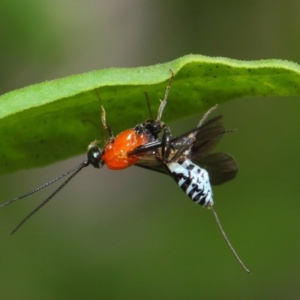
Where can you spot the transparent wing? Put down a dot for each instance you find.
(207, 138)
(148, 161)
(221, 167)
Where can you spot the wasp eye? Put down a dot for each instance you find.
(94, 156)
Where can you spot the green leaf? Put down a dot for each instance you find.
(54, 120)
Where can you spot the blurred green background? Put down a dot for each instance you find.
(134, 234)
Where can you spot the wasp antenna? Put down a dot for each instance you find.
(44, 185)
(93, 123)
(164, 101)
(149, 107)
(207, 114)
(76, 170)
(228, 242)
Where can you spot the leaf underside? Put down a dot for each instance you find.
(51, 121)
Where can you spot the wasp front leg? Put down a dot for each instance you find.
(166, 147)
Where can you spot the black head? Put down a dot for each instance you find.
(94, 156)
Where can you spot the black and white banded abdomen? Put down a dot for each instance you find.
(193, 180)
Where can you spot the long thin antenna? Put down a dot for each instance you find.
(76, 171)
(43, 186)
(148, 105)
(228, 242)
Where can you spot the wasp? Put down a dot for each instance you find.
(185, 158)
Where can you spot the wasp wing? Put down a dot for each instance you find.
(207, 138)
(220, 166)
(149, 161)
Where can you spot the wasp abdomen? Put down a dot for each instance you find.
(193, 180)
